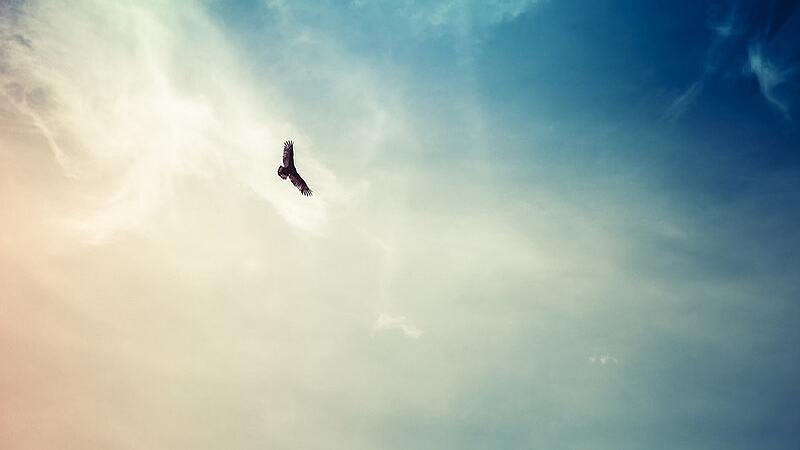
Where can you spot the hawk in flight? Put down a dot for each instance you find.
(288, 169)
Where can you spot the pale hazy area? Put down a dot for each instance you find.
(161, 287)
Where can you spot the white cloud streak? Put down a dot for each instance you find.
(735, 34)
(724, 32)
(769, 76)
(603, 359)
(132, 99)
(685, 100)
(386, 322)
(458, 17)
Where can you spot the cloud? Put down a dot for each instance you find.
(736, 33)
(685, 100)
(465, 14)
(725, 33)
(457, 17)
(386, 322)
(135, 98)
(769, 76)
(603, 359)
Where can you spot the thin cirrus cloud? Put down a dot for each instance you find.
(603, 359)
(770, 76)
(129, 108)
(452, 16)
(386, 322)
(743, 33)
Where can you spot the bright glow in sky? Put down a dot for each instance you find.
(535, 224)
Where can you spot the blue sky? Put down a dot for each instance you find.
(535, 224)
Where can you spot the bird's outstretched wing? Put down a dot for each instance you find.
(299, 183)
(288, 154)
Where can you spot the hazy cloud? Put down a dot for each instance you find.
(603, 359)
(769, 76)
(685, 100)
(104, 87)
(738, 33)
(458, 17)
(385, 322)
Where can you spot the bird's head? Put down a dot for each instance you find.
(282, 172)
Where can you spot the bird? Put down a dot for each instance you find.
(288, 169)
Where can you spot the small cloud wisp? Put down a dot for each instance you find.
(386, 322)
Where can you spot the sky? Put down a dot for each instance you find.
(550, 224)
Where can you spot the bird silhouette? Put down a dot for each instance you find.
(288, 169)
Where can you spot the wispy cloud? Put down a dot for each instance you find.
(685, 100)
(109, 94)
(462, 15)
(385, 322)
(458, 17)
(769, 76)
(603, 359)
(737, 33)
(725, 31)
